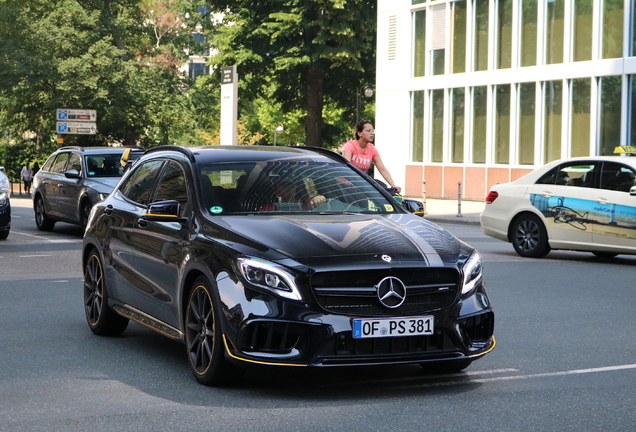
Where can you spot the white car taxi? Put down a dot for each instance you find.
(583, 204)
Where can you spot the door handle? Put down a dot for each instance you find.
(602, 201)
(547, 194)
(60, 185)
(142, 223)
(109, 210)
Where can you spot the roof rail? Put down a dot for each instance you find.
(325, 152)
(184, 150)
(80, 148)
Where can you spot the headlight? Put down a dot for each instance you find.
(472, 272)
(4, 199)
(270, 276)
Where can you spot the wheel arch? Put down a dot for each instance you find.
(523, 213)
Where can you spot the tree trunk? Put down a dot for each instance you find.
(315, 90)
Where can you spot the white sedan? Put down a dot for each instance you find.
(584, 204)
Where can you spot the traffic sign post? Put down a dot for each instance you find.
(82, 128)
(76, 115)
(75, 122)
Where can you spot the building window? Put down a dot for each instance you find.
(632, 110)
(581, 119)
(582, 29)
(613, 28)
(527, 115)
(198, 69)
(555, 10)
(418, 2)
(457, 125)
(610, 121)
(418, 125)
(419, 43)
(504, 34)
(437, 125)
(553, 93)
(528, 42)
(437, 59)
(502, 125)
(481, 8)
(480, 105)
(459, 36)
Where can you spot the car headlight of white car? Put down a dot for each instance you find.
(473, 272)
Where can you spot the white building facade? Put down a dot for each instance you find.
(483, 91)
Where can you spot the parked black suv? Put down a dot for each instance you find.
(72, 181)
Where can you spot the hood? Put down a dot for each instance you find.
(102, 184)
(403, 237)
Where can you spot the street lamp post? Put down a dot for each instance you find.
(368, 93)
(278, 130)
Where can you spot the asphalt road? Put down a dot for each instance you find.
(565, 359)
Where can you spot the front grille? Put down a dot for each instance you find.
(271, 336)
(354, 292)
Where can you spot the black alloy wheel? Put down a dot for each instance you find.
(43, 222)
(101, 319)
(529, 237)
(204, 339)
(85, 212)
(4, 234)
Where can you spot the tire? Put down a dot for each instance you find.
(43, 222)
(85, 212)
(605, 254)
(101, 319)
(4, 234)
(450, 366)
(529, 236)
(204, 338)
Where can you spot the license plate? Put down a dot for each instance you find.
(392, 327)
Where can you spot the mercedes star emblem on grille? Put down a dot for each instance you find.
(391, 292)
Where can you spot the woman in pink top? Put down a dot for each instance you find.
(361, 152)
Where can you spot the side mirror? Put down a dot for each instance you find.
(414, 206)
(72, 174)
(632, 191)
(164, 211)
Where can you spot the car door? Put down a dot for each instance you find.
(163, 246)
(69, 189)
(51, 184)
(565, 197)
(122, 242)
(615, 208)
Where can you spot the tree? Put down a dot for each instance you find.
(299, 54)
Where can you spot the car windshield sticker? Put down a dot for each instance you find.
(587, 215)
(388, 207)
(216, 209)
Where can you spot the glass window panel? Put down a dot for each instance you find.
(552, 125)
(632, 102)
(610, 122)
(418, 126)
(504, 42)
(437, 125)
(481, 34)
(457, 125)
(479, 124)
(582, 29)
(418, 2)
(419, 44)
(528, 41)
(459, 36)
(438, 61)
(612, 28)
(502, 130)
(580, 126)
(554, 31)
(527, 115)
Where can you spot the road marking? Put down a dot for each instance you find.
(33, 256)
(47, 239)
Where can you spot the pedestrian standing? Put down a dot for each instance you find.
(34, 170)
(25, 175)
(361, 152)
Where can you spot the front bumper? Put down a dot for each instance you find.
(268, 330)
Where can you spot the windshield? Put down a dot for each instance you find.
(288, 187)
(104, 165)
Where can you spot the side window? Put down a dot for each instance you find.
(74, 163)
(60, 163)
(570, 174)
(618, 177)
(48, 164)
(172, 186)
(140, 185)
